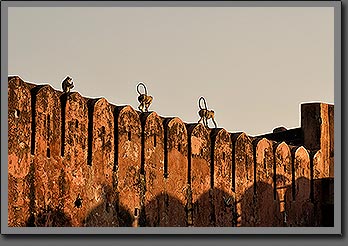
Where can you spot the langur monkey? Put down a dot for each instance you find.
(144, 99)
(205, 114)
(67, 84)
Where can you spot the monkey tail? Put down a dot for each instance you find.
(205, 103)
(141, 83)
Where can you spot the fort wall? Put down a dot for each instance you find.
(76, 161)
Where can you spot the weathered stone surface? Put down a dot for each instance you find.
(79, 162)
(19, 159)
(244, 174)
(266, 199)
(283, 175)
(283, 165)
(153, 141)
(331, 140)
(318, 165)
(101, 187)
(176, 181)
(19, 127)
(47, 151)
(223, 199)
(128, 156)
(75, 144)
(200, 174)
(301, 169)
(299, 208)
(264, 161)
(323, 194)
(324, 202)
(317, 124)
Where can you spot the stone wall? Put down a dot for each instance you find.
(76, 161)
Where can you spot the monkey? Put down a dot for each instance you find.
(144, 99)
(205, 114)
(67, 84)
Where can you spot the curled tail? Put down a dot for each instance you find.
(141, 83)
(199, 103)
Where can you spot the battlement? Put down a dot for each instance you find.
(76, 161)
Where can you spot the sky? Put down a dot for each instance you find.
(254, 65)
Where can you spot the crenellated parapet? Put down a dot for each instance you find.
(77, 161)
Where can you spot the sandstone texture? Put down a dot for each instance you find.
(84, 162)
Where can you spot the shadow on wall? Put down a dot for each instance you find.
(103, 215)
(49, 217)
(299, 207)
(170, 212)
(109, 213)
(323, 197)
(307, 208)
(259, 208)
(43, 217)
(220, 212)
(217, 211)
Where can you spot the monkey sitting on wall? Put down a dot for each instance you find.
(205, 114)
(67, 84)
(144, 99)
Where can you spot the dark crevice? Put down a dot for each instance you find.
(190, 127)
(189, 158)
(274, 175)
(311, 164)
(255, 165)
(165, 124)
(212, 153)
(33, 123)
(246, 163)
(63, 100)
(233, 166)
(142, 166)
(33, 93)
(293, 173)
(143, 118)
(116, 136)
(90, 105)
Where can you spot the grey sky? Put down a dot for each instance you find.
(254, 65)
